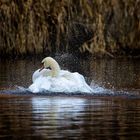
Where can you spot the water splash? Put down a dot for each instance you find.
(98, 92)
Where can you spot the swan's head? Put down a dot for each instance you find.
(49, 62)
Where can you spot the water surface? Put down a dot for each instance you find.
(69, 118)
(63, 116)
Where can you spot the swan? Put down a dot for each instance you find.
(51, 78)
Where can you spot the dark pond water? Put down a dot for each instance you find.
(114, 114)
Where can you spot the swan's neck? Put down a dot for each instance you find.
(55, 69)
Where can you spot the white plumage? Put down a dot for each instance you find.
(57, 80)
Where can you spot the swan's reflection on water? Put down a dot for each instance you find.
(85, 118)
(60, 117)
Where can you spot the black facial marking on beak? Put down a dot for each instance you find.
(48, 68)
(42, 67)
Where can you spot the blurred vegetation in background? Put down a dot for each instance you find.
(98, 27)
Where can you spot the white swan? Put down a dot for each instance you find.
(57, 80)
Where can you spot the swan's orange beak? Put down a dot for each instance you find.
(41, 68)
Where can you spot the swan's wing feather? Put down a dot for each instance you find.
(38, 73)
